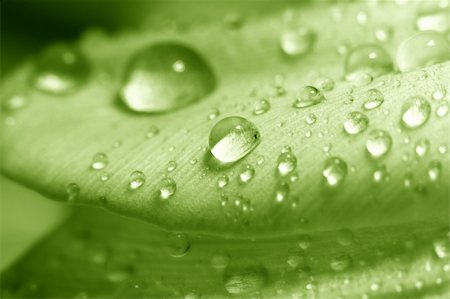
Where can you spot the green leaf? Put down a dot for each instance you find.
(96, 254)
(49, 145)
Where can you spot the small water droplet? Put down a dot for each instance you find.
(360, 79)
(178, 245)
(442, 248)
(15, 103)
(260, 160)
(362, 17)
(261, 106)
(167, 188)
(308, 96)
(383, 33)
(297, 41)
(380, 174)
(370, 59)
(341, 263)
(171, 166)
(422, 147)
(99, 161)
(232, 138)
(311, 119)
(213, 114)
(152, 131)
(118, 270)
(246, 174)
(137, 179)
(60, 69)
(164, 77)
(345, 237)
(334, 171)
(222, 181)
(439, 93)
(282, 191)
(442, 109)
(434, 170)
(355, 123)
(415, 112)
(244, 277)
(422, 49)
(220, 260)
(325, 83)
(104, 176)
(373, 98)
(72, 191)
(286, 163)
(378, 143)
(433, 17)
(443, 149)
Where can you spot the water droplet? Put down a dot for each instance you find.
(442, 248)
(261, 106)
(334, 171)
(439, 93)
(222, 181)
(60, 69)
(171, 166)
(442, 109)
(422, 147)
(383, 33)
(308, 96)
(325, 83)
(443, 149)
(232, 138)
(355, 123)
(104, 176)
(220, 260)
(247, 173)
(415, 112)
(118, 270)
(137, 179)
(14, 103)
(72, 191)
(233, 21)
(378, 143)
(286, 163)
(99, 161)
(297, 41)
(362, 17)
(213, 114)
(178, 245)
(380, 174)
(260, 160)
(167, 188)
(370, 59)
(164, 77)
(243, 277)
(311, 119)
(422, 49)
(152, 131)
(434, 170)
(282, 191)
(345, 237)
(360, 79)
(373, 98)
(433, 17)
(341, 262)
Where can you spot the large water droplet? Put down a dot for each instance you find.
(373, 98)
(334, 171)
(422, 49)
(137, 179)
(243, 277)
(369, 59)
(167, 188)
(232, 138)
(415, 112)
(178, 245)
(378, 143)
(166, 76)
(286, 163)
(355, 123)
(60, 69)
(99, 161)
(308, 96)
(297, 41)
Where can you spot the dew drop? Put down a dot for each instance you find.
(383, 34)
(171, 166)
(311, 119)
(137, 179)
(247, 173)
(334, 171)
(442, 248)
(442, 149)
(422, 49)
(164, 77)
(286, 163)
(152, 131)
(422, 147)
(213, 114)
(308, 96)
(99, 161)
(415, 112)
(232, 138)
(433, 17)
(341, 263)
(244, 277)
(355, 123)
(220, 260)
(373, 98)
(118, 270)
(14, 103)
(178, 245)
(378, 143)
(380, 174)
(345, 237)
(370, 59)
(167, 188)
(261, 106)
(60, 69)
(297, 41)
(439, 93)
(104, 176)
(282, 191)
(222, 181)
(434, 170)
(325, 83)
(442, 109)
(72, 191)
